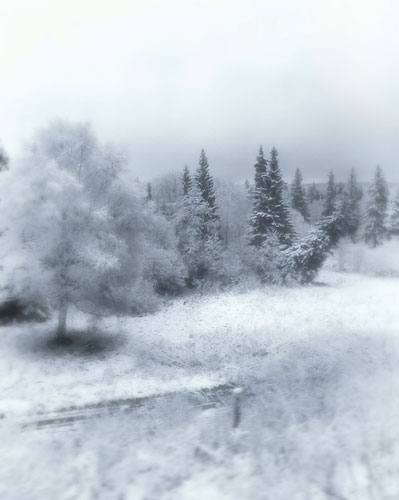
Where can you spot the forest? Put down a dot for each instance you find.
(188, 336)
(78, 231)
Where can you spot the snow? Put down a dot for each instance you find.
(318, 368)
(191, 343)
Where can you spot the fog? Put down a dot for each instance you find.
(316, 79)
(193, 336)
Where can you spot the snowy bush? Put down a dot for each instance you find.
(166, 271)
(303, 260)
(264, 261)
(163, 265)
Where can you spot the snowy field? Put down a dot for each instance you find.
(319, 408)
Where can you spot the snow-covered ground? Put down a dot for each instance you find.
(319, 413)
(192, 343)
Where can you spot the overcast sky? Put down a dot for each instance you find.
(319, 79)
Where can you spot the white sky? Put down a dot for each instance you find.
(317, 78)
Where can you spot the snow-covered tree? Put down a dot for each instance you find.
(330, 202)
(394, 218)
(350, 206)
(205, 185)
(77, 232)
(280, 223)
(375, 230)
(206, 200)
(197, 225)
(198, 238)
(301, 262)
(261, 218)
(298, 196)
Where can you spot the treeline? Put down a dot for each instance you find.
(268, 221)
(272, 207)
(76, 230)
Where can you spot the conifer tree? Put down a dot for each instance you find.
(260, 220)
(298, 196)
(186, 181)
(198, 225)
(330, 203)
(204, 183)
(197, 222)
(376, 229)
(350, 206)
(206, 200)
(280, 220)
(394, 219)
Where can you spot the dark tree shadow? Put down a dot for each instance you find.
(79, 342)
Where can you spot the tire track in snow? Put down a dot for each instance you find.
(67, 417)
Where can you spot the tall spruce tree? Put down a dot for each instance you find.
(298, 196)
(260, 219)
(186, 181)
(204, 183)
(206, 204)
(280, 219)
(394, 219)
(197, 231)
(330, 203)
(350, 206)
(376, 218)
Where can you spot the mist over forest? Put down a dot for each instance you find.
(199, 250)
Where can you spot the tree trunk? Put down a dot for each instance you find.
(62, 316)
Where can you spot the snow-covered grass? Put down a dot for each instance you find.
(319, 410)
(191, 343)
